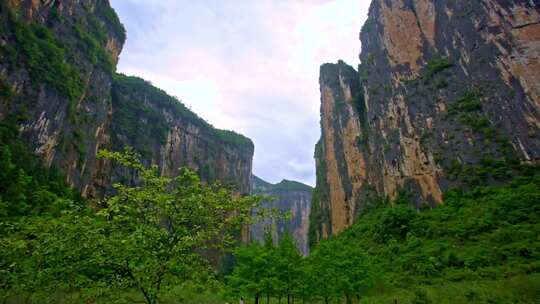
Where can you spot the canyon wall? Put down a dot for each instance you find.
(168, 134)
(58, 85)
(289, 198)
(446, 95)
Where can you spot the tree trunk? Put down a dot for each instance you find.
(257, 299)
(267, 298)
(326, 300)
(27, 298)
(348, 298)
(288, 299)
(149, 299)
(279, 299)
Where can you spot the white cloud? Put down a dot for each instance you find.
(248, 66)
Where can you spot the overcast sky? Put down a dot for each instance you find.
(251, 66)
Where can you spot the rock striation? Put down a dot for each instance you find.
(58, 84)
(291, 198)
(446, 95)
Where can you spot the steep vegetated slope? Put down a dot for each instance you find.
(447, 95)
(167, 133)
(57, 61)
(293, 200)
(59, 88)
(478, 247)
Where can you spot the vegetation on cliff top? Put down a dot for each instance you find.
(45, 57)
(283, 186)
(53, 57)
(288, 185)
(128, 92)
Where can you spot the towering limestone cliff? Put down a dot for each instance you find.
(58, 85)
(289, 197)
(168, 134)
(447, 95)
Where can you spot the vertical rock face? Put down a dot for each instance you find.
(56, 63)
(341, 166)
(57, 83)
(446, 96)
(290, 197)
(169, 135)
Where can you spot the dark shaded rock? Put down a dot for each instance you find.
(289, 197)
(57, 82)
(447, 95)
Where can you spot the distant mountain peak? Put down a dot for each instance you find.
(260, 185)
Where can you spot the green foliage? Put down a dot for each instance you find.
(26, 186)
(363, 73)
(252, 271)
(469, 106)
(469, 102)
(104, 10)
(138, 100)
(93, 47)
(482, 237)
(129, 113)
(433, 77)
(149, 239)
(45, 57)
(420, 297)
(434, 67)
(267, 270)
(368, 26)
(320, 196)
(288, 267)
(475, 242)
(441, 83)
(287, 185)
(335, 269)
(231, 137)
(5, 90)
(395, 222)
(49, 52)
(498, 162)
(168, 221)
(339, 269)
(371, 58)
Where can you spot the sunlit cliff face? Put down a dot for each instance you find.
(247, 66)
(444, 91)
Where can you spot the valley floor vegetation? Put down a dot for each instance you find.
(142, 244)
(480, 246)
(151, 244)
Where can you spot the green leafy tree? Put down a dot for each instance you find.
(150, 237)
(356, 271)
(270, 280)
(339, 269)
(324, 271)
(26, 186)
(159, 229)
(256, 270)
(306, 287)
(288, 267)
(248, 275)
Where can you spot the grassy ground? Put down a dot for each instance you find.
(519, 289)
